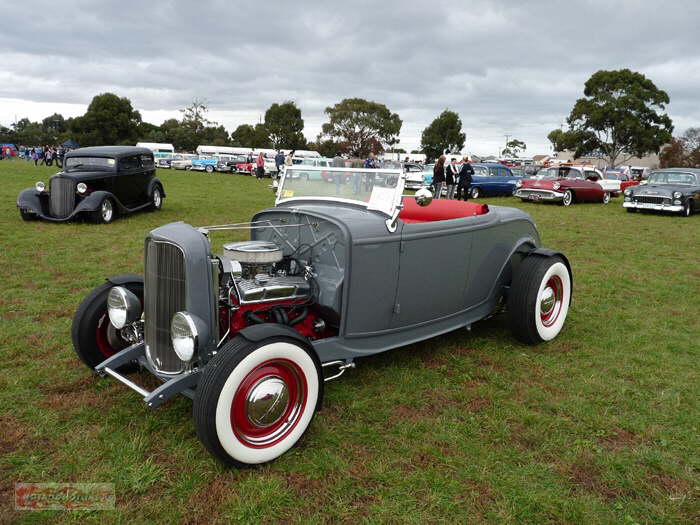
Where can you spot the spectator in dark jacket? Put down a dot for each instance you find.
(465, 179)
(439, 176)
(451, 176)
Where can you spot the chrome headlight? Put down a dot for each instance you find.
(40, 186)
(677, 194)
(187, 331)
(518, 183)
(556, 186)
(628, 191)
(123, 307)
(81, 187)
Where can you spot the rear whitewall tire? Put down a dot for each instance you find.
(539, 299)
(226, 374)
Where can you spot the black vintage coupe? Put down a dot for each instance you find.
(673, 190)
(96, 183)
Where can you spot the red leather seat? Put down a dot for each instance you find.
(439, 210)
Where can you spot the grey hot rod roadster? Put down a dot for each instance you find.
(343, 266)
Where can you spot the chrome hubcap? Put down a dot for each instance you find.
(548, 301)
(106, 210)
(267, 401)
(156, 198)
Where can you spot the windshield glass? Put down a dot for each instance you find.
(378, 189)
(89, 163)
(672, 177)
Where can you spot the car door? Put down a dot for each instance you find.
(433, 270)
(127, 182)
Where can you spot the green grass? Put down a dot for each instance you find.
(599, 426)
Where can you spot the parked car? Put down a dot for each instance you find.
(565, 184)
(622, 180)
(414, 175)
(182, 161)
(245, 167)
(163, 159)
(97, 183)
(330, 274)
(207, 163)
(639, 173)
(610, 184)
(234, 162)
(491, 180)
(673, 190)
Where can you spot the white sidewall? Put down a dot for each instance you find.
(548, 333)
(231, 444)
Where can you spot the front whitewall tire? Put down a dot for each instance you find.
(231, 444)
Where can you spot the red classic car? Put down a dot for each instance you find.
(245, 167)
(565, 184)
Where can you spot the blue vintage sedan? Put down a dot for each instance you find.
(491, 180)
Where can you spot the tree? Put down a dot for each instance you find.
(683, 152)
(249, 136)
(363, 124)
(513, 147)
(443, 134)
(558, 139)
(284, 126)
(55, 123)
(108, 120)
(619, 116)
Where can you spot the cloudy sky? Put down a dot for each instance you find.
(507, 67)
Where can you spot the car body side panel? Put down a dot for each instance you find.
(453, 271)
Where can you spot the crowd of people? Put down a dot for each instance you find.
(455, 178)
(40, 155)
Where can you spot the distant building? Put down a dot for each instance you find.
(649, 161)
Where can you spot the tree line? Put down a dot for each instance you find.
(620, 116)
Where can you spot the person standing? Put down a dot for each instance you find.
(370, 164)
(439, 177)
(451, 176)
(465, 179)
(338, 162)
(279, 162)
(260, 166)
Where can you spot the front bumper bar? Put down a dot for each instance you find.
(538, 195)
(655, 207)
(179, 384)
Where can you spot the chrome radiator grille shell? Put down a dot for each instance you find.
(165, 293)
(61, 197)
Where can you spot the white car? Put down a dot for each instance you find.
(414, 176)
(609, 183)
(182, 161)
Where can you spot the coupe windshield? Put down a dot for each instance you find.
(672, 177)
(378, 189)
(89, 163)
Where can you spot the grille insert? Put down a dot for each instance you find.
(164, 295)
(652, 200)
(61, 197)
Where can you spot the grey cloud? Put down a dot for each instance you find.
(504, 66)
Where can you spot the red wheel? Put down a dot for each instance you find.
(256, 400)
(94, 337)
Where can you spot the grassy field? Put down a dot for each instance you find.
(600, 426)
